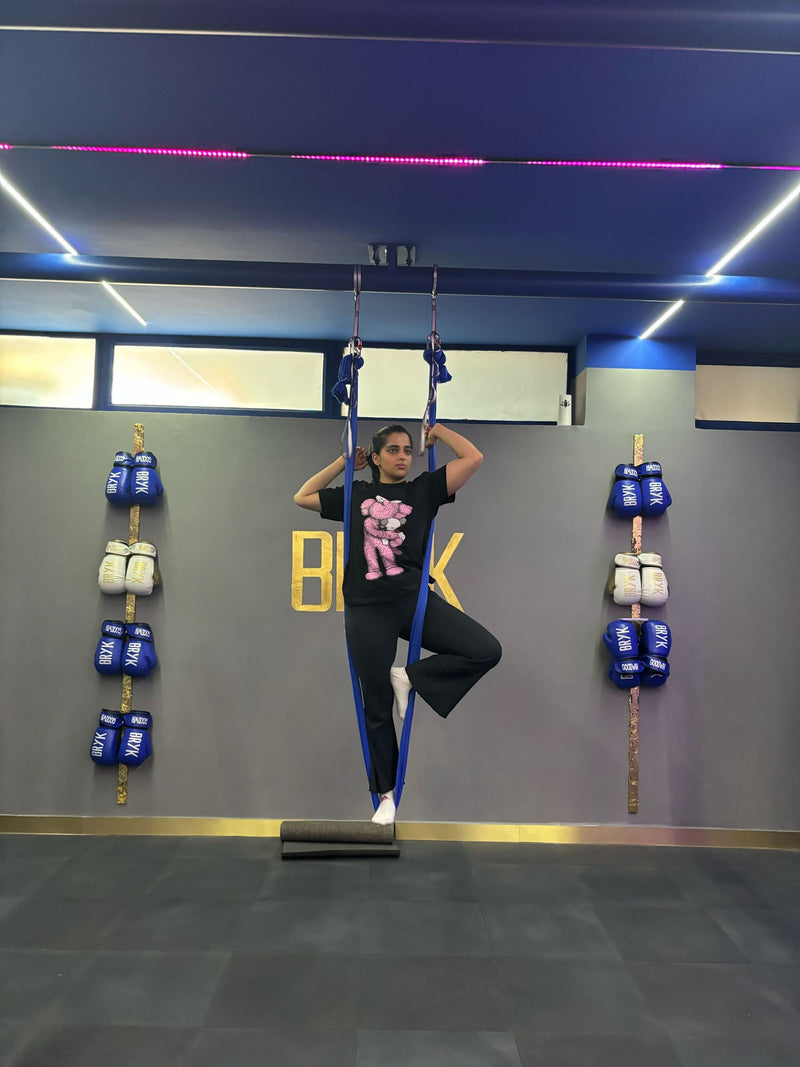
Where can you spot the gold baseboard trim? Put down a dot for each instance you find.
(519, 833)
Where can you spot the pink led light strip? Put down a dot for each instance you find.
(420, 161)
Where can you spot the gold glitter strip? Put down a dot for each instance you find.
(130, 616)
(633, 695)
(516, 833)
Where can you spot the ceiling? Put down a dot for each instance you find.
(593, 250)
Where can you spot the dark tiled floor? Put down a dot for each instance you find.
(187, 952)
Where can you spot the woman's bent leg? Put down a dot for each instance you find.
(464, 652)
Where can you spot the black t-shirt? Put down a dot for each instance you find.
(389, 528)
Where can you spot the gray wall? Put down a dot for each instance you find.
(252, 705)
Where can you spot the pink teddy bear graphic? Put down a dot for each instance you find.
(382, 534)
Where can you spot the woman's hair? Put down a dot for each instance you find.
(379, 440)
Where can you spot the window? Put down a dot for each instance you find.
(495, 386)
(183, 376)
(46, 372)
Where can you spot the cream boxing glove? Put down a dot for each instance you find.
(655, 590)
(625, 585)
(142, 572)
(111, 576)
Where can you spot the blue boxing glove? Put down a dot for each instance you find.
(626, 496)
(139, 656)
(108, 654)
(135, 745)
(621, 639)
(105, 743)
(656, 670)
(146, 486)
(655, 495)
(656, 638)
(625, 673)
(118, 483)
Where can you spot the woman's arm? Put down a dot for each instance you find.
(468, 458)
(307, 496)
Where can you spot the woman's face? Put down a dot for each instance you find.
(394, 459)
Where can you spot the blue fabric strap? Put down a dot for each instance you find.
(346, 392)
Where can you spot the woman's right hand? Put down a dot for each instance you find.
(361, 458)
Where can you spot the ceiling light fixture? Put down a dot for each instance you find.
(781, 206)
(121, 299)
(15, 194)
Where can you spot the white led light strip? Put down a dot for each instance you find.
(790, 197)
(16, 195)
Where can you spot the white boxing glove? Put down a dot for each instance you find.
(111, 576)
(626, 584)
(142, 573)
(655, 590)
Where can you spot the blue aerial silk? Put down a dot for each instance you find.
(346, 392)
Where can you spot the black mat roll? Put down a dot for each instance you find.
(335, 830)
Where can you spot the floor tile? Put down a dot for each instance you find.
(628, 885)
(316, 880)
(31, 980)
(134, 988)
(636, 856)
(62, 922)
(715, 999)
(595, 1050)
(109, 867)
(175, 925)
(672, 934)
(716, 886)
(763, 936)
(736, 1052)
(785, 978)
(512, 852)
(574, 997)
(552, 885)
(433, 993)
(102, 1046)
(311, 992)
(426, 1048)
(549, 933)
(371, 927)
(22, 874)
(192, 876)
(280, 1047)
(423, 878)
(222, 849)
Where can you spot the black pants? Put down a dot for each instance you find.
(463, 652)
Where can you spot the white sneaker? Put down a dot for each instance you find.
(401, 686)
(386, 810)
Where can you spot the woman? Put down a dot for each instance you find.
(390, 522)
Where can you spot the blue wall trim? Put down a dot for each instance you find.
(629, 353)
(781, 427)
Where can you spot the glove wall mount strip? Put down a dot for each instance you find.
(130, 616)
(633, 694)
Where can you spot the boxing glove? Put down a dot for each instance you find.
(655, 495)
(656, 671)
(625, 673)
(621, 639)
(626, 495)
(655, 590)
(139, 656)
(141, 573)
(625, 585)
(118, 483)
(111, 576)
(135, 744)
(656, 638)
(108, 655)
(146, 486)
(105, 743)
